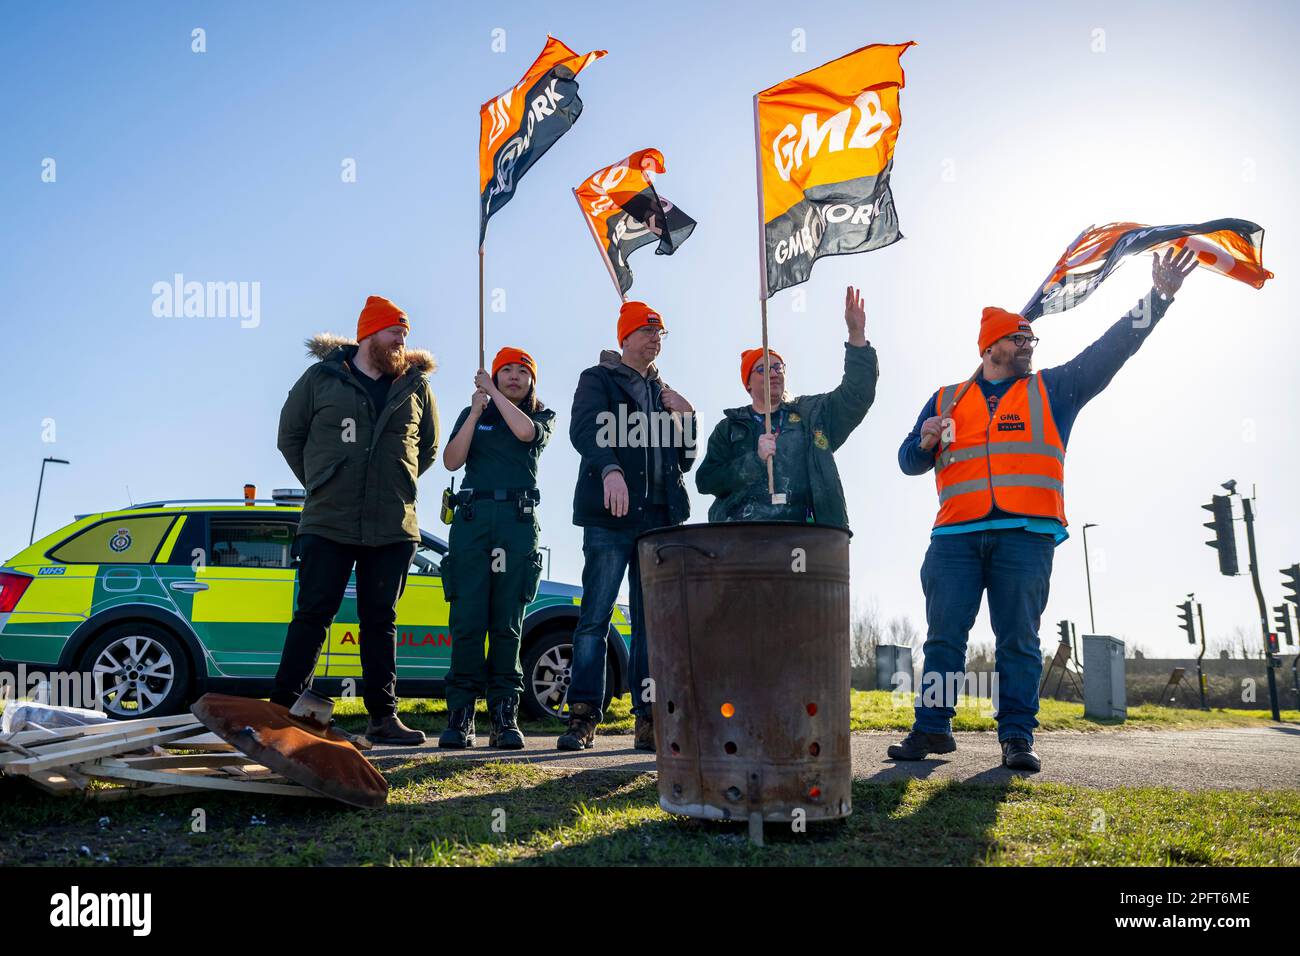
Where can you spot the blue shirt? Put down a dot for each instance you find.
(1069, 387)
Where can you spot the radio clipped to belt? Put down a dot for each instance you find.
(525, 500)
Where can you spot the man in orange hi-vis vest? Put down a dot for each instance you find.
(998, 451)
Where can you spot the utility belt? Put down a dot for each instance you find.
(525, 501)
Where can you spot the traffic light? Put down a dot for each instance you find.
(1282, 614)
(1225, 540)
(1185, 615)
(1063, 628)
(1272, 643)
(1291, 582)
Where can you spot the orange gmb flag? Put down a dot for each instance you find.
(825, 151)
(519, 126)
(1231, 247)
(626, 212)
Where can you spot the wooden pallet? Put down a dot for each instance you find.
(148, 757)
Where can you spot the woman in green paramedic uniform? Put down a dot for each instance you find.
(492, 568)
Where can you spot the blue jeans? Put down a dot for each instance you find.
(1015, 567)
(607, 555)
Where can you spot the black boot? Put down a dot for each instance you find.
(918, 745)
(460, 729)
(505, 724)
(1018, 754)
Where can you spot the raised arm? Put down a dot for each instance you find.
(847, 404)
(1083, 378)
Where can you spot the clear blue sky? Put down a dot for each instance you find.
(1021, 125)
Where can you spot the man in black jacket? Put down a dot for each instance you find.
(636, 437)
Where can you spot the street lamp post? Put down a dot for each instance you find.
(1087, 568)
(59, 461)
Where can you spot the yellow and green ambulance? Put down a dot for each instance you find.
(167, 600)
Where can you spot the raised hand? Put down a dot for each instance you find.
(1167, 274)
(855, 316)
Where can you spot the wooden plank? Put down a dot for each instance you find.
(86, 752)
(67, 746)
(59, 782)
(206, 742)
(58, 734)
(177, 761)
(195, 781)
(142, 790)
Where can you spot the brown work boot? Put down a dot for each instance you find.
(581, 734)
(392, 732)
(644, 738)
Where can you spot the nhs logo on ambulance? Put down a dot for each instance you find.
(41, 572)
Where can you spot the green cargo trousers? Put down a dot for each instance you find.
(490, 574)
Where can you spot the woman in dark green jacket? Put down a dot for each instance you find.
(806, 431)
(493, 567)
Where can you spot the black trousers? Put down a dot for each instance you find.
(322, 576)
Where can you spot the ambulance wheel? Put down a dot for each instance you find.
(144, 668)
(547, 663)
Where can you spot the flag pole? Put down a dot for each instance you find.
(481, 356)
(762, 302)
(604, 253)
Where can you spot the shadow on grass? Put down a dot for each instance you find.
(897, 822)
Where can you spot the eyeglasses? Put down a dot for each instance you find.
(650, 331)
(1021, 340)
(777, 367)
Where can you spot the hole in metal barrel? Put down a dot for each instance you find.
(729, 747)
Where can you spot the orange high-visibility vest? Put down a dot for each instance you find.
(1014, 460)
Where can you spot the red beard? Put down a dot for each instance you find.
(387, 361)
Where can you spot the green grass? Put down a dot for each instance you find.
(442, 812)
(870, 710)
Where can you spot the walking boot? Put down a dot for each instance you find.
(391, 731)
(918, 744)
(1018, 754)
(581, 734)
(644, 732)
(460, 729)
(505, 724)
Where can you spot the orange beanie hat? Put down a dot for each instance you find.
(995, 323)
(379, 314)
(508, 355)
(751, 357)
(633, 315)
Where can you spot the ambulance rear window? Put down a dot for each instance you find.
(115, 541)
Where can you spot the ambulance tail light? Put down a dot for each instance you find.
(12, 586)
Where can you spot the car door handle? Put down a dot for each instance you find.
(189, 587)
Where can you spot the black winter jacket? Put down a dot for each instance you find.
(603, 427)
